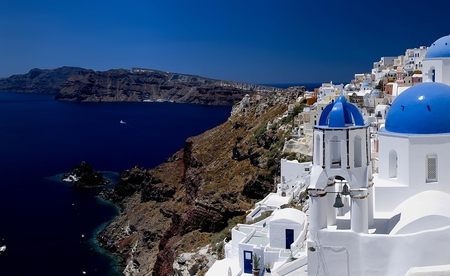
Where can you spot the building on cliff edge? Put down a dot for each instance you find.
(393, 220)
(397, 222)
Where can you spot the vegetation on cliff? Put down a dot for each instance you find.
(194, 197)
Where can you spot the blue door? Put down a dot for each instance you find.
(247, 261)
(289, 237)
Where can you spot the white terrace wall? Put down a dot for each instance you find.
(350, 253)
(292, 170)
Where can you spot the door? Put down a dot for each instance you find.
(247, 261)
(289, 238)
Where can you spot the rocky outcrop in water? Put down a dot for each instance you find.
(83, 175)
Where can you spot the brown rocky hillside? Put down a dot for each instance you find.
(139, 85)
(195, 195)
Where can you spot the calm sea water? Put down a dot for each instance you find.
(49, 226)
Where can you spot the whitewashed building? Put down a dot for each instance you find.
(274, 238)
(414, 58)
(398, 221)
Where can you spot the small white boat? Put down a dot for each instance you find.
(122, 122)
(2, 249)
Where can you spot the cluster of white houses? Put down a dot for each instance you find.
(378, 186)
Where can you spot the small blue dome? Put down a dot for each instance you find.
(440, 48)
(365, 84)
(421, 109)
(340, 113)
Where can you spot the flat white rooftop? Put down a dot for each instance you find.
(276, 200)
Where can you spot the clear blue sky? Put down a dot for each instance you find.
(265, 41)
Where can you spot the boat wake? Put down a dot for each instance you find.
(126, 124)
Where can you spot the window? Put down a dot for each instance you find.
(317, 148)
(393, 164)
(335, 152)
(431, 168)
(358, 151)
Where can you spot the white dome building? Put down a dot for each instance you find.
(436, 64)
(398, 219)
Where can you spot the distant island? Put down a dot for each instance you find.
(135, 85)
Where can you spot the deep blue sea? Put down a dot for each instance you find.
(49, 226)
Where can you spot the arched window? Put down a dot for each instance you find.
(317, 148)
(432, 168)
(335, 152)
(357, 152)
(393, 164)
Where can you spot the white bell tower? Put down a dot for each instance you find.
(341, 151)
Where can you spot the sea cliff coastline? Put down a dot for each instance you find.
(135, 85)
(188, 201)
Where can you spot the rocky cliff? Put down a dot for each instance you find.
(136, 85)
(43, 81)
(146, 85)
(196, 195)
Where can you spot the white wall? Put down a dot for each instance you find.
(411, 167)
(388, 142)
(277, 232)
(373, 254)
(292, 170)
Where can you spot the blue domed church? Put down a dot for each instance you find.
(394, 221)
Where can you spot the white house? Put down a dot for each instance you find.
(294, 179)
(272, 240)
(329, 89)
(414, 58)
(275, 238)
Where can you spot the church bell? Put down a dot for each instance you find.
(345, 190)
(338, 202)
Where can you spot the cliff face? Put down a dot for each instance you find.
(43, 81)
(150, 85)
(136, 85)
(189, 200)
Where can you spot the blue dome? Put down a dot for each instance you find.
(421, 109)
(340, 113)
(440, 48)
